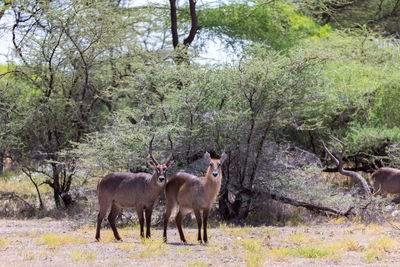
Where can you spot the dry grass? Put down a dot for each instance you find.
(307, 251)
(53, 240)
(4, 242)
(255, 253)
(197, 263)
(151, 248)
(87, 256)
(125, 246)
(27, 243)
(298, 238)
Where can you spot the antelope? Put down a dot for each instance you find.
(193, 193)
(386, 181)
(132, 190)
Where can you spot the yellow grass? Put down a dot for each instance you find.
(34, 233)
(378, 247)
(53, 240)
(151, 248)
(185, 250)
(197, 263)
(346, 244)
(339, 220)
(27, 254)
(384, 243)
(374, 229)
(254, 254)
(298, 238)
(79, 255)
(125, 246)
(4, 242)
(372, 255)
(213, 248)
(307, 251)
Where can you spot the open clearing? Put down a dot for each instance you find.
(66, 243)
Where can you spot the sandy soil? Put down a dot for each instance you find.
(23, 243)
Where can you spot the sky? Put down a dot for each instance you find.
(214, 51)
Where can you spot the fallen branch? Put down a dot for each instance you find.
(312, 207)
(309, 206)
(12, 195)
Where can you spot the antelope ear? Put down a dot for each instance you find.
(207, 156)
(223, 158)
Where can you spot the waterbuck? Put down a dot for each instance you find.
(132, 190)
(193, 193)
(386, 181)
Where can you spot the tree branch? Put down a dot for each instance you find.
(193, 18)
(339, 162)
(174, 26)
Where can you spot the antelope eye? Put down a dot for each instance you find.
(219, 164)
(211, 164)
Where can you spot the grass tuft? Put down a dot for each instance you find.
(4, 242)
(339, 220)
(346, 244)
(384, 243)
(213, 248)
(372, 255)
(125, 246)
(185, 250)
(306, 251)
(151, 248)
(53, 240)
(255, 254)
(79, 255)
(197, 263)
(298, 238)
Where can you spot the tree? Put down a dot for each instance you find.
(379, 15)
(279, 24)
(61, 90)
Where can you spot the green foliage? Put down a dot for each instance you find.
(378, 15)
(279, 24)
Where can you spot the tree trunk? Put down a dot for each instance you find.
(56, 185)
(67, 199)
(1, 163)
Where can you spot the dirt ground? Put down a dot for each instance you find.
(49, 242)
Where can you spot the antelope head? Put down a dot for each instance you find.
(215, 165)
(161, 169)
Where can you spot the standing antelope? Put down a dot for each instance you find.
(386, 181)
(195, 193)
(132, 190)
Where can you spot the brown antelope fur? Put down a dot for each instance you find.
(132, 190)
(386, 181)
(193, 193)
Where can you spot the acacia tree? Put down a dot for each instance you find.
(72, 56)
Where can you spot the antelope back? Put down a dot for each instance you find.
(387, 179)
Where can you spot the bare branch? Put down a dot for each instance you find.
(339, 162)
